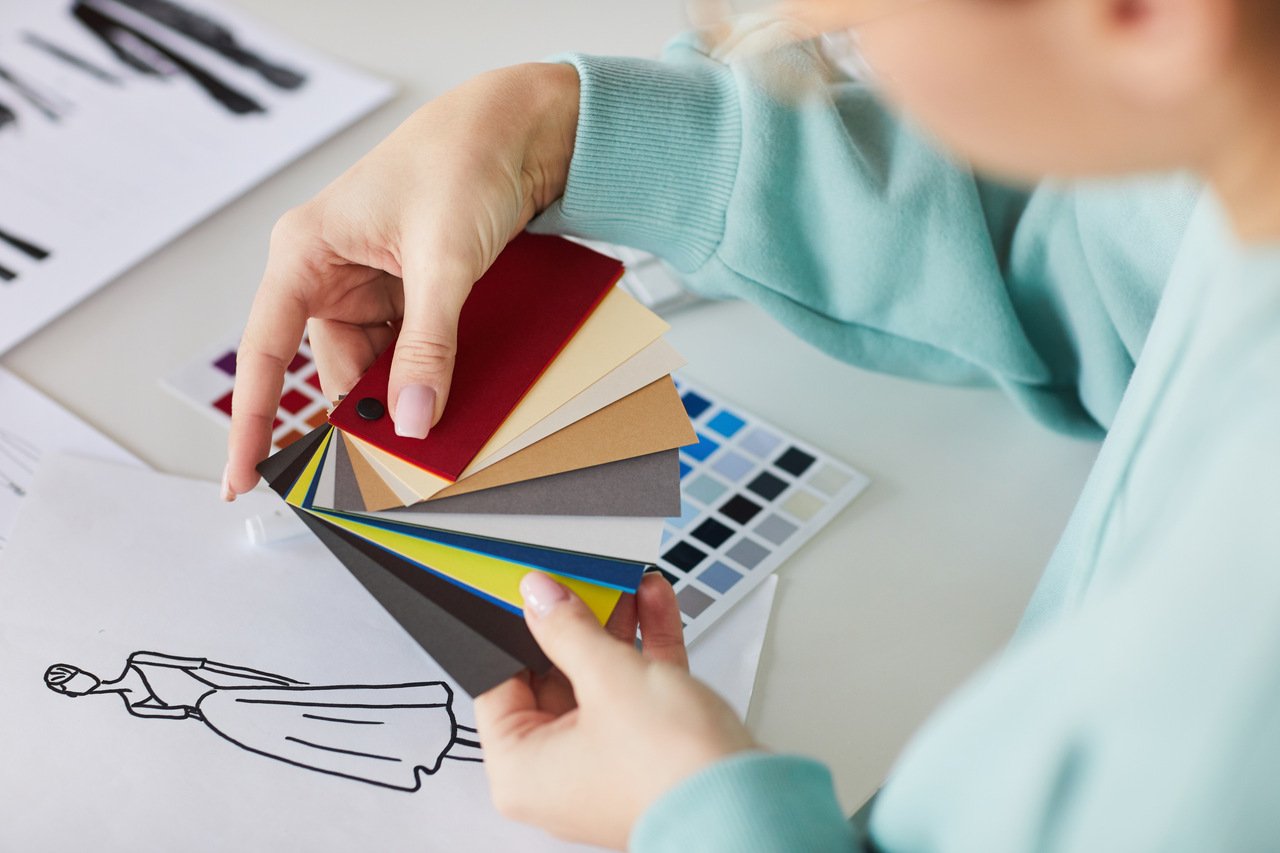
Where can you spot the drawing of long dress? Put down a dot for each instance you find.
(383, 734)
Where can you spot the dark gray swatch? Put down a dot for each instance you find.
(474, 662)
(644, 486)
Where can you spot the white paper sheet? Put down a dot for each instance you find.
(102, 163)
(31, 425)
(167, 580)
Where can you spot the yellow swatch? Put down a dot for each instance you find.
(493, 576)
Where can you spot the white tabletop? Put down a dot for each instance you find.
(877, 619)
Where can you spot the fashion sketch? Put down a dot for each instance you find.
(390, 735)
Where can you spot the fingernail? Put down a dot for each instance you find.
(414, 410)
(227, 494)
(541, 593)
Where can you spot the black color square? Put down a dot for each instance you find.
(712, 532)
(767, 486)
(740, 509)
(671, 579)
(684, 556)
(795, 461)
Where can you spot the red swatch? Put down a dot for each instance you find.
(530, 303)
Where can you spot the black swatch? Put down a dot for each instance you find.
(767, 486)
(795, 461)
(712, 532)
(739, 509)
(684, 556)
(7, 274)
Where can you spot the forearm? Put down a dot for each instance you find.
(749, 802)
(849, 226)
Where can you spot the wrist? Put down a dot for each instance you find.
(554, 91)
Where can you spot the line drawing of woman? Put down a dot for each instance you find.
(389, 735)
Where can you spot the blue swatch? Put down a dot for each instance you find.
(687, 514)
(726, 423)
(733, 466)
(609, 571)
(685, 468)
(719, 577)
(700, 451)
(695, 404)
(760, 443)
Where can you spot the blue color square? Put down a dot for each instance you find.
(726, 423)
(685, 468)
(695, 404)
(687, 513)
(760, 443)
(733, 466)
(719, 577)
(700, 451)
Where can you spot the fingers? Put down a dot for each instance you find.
(422, 368)
(623, 622)
(501, 708)
(571, 637)
(344, 351)
(661, 628)
(270, 343)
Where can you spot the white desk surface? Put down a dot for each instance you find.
(877, 619)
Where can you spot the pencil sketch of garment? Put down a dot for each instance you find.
(384, 734)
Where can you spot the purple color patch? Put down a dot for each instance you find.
(227, 364)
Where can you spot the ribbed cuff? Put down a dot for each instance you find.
(655, 158)
(752, 801)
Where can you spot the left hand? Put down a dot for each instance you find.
(584, 751)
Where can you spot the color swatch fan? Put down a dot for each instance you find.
(558, 452)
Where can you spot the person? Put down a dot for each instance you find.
(1100, 241)
(383, 734)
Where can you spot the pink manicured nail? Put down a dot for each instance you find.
(227, 494)
(414, 411)
(541, 593)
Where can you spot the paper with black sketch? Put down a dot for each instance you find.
(125, 122)
(170, 687)
(31, 425)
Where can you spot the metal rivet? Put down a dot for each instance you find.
(370, 408)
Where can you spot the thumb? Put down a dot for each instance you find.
(422, 367)
(571, 637)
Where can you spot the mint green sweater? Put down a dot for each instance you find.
(1138, 706)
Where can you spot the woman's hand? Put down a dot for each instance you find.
(583, 752)
(393, 247)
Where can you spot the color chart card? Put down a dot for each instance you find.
(206, 383)
(751, 495)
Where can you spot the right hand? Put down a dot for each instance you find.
(393, 246)
(584, 751)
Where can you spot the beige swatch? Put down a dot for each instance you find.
(650, 420)
(408, 481)
(373, 488)
(615, 331)
(655, 361)
(646, 421)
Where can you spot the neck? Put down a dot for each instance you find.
(128, 683)
(1245, 171)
